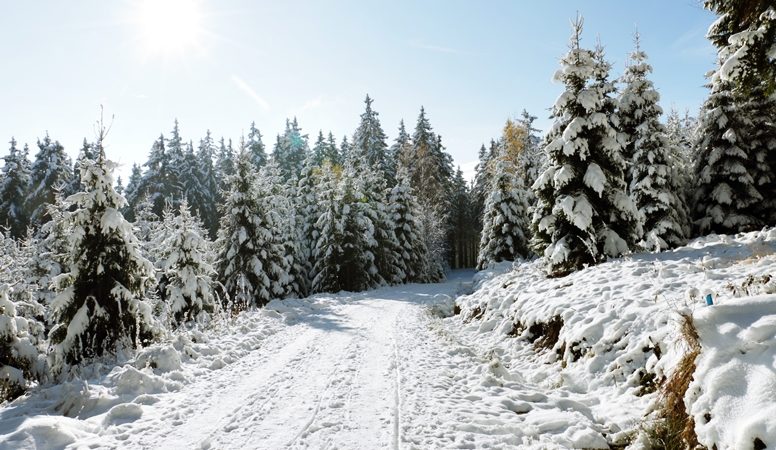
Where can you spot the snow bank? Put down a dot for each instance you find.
(733, 395)
(605, 338)
(109, 398)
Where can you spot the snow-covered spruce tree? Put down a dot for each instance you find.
(745, 36)
(147, 228)
(726, 196)
(186, 265)
(250, 258)
(307, 212)
(278, 197)
(29, 293)
(100, 306)
(175, 182)
(342, 254)
(256, 147)
(21, 362)
(505, 221)
(291, 150)
(319, 149)
(132, 192)
(46, 255)
(357, 269)
(224, 164)
(157, 182)
(85, 153)
(344, 149)
(14, 186)
(331, 152)
(50, 173)
(370, 148)
(680, 132)
(208, 211)
(656, 186)
(433, 220)
(401, 150)
(326, 249)
(404, 211)
(482, 179)
(381, 238)
(430, 171)
(583, 213)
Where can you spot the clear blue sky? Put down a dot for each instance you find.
(471, 63)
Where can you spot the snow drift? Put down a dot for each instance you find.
(607, 337)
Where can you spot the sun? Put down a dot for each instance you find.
(169, 27)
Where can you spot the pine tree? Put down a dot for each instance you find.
(51, 173)
(99, 306)
(369, 143)
(744, 36)
(483, 174)
(86, 153)
(291, 150)
(505, 220)
(531, 160)
(133, 192)
(583, 214)
(21, 361)
(248, 251)
(327, 241)
(189, 287)
(195, 191)
(430, 170)
(331, 153)
(158, 184)
(344, 150)
(381, 241)
(256, 147)
(404, 211)
(225, 164)
(319, 149)
(342, 254)
(357, 269)
(464, 229)
(655, 184)
(289, 277)
(176, 153)
(680, 133)
(308, 210)
(47, 253)
(726, 197)
(14, 186)
(208, 210)
(400, 150)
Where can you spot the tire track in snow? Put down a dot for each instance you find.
(397, 389)
(321, 396)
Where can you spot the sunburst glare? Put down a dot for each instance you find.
(170, 27)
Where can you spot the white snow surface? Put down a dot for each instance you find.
(394, 369)
(620, 321)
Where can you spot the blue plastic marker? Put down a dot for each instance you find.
(709, 301)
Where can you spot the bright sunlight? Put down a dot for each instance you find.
(170, 27)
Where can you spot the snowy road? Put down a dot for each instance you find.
(362, 373)
(375, 370)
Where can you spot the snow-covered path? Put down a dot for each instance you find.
(338, 379)
(374, 370)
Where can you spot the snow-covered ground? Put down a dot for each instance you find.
(597, 341)
(527, 362)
